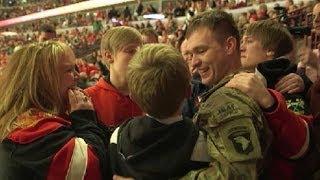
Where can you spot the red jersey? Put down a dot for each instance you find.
(112, 106)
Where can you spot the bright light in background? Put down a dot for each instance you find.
(8, 33)
(85, 5)
(153, 16)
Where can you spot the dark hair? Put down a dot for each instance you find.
(47, 28)
(219, 22)
(149, 32)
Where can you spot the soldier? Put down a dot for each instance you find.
(236, 133)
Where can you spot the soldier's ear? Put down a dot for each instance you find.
(230, 45)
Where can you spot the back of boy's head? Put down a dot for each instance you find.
(158, 79)
(118, 37)
(273, 36)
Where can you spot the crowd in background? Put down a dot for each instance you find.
(73, 95)
(83, 31)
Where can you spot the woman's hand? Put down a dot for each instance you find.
(78, 100)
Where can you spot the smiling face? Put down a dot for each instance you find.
(209, 57)
(252, 52)
(45, 36)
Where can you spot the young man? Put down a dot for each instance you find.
(266, 49)
(110, 95)
(162, 144)
(263, 50)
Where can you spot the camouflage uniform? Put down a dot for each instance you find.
(237, 135)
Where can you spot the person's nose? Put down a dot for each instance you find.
(195, 61)
(242, 46)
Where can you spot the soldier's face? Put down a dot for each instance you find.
(208, 56)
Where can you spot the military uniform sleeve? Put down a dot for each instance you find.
(237, 136)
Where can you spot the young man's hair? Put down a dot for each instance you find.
(158, 80)
(272, 35)
(149, 32)
(118, 37)
(31, 79)
(47, 29)
(220, 23)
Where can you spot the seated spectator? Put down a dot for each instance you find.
(179, 10)
(144, 147)
(149, 36)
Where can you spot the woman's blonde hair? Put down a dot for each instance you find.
(31, 80)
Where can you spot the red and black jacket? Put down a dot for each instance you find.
(50, 147)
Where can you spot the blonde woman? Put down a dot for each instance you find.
(47, 125)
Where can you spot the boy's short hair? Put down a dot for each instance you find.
(273, 36)
(118, 37)
(158, 79)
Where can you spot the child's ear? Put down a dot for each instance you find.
(108, 57)
(188, 92)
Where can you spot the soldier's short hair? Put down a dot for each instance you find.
(272, 35)
(220, 23)
(158, 79)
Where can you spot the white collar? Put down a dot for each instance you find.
(169, 120)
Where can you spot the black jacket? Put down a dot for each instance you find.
(148, 149)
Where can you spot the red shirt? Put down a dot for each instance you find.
(112, 106)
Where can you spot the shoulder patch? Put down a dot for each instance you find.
(241, 140)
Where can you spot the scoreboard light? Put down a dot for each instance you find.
(154, 16)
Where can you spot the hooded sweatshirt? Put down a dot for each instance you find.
(144, 148)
